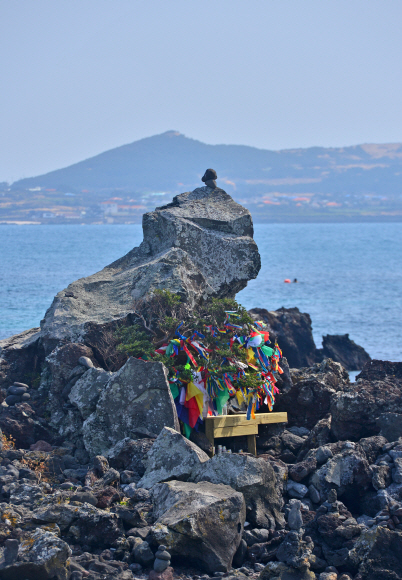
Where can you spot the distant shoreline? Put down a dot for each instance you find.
(287, 220)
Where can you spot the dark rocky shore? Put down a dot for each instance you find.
(98, 483)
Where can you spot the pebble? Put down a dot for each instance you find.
(297, 490)
(68, 485)
(129, 490)
(314, 494)
(85, 362)
(18, 391)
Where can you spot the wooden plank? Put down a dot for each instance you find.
(252, 444)
(236, 431)
(209, 431)
(237, 420)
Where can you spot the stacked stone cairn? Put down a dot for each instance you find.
(17, 393)
(162, 559)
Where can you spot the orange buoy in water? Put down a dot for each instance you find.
(287, 281)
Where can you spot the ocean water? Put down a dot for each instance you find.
(350, 275)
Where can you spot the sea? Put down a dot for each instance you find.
(349, 276)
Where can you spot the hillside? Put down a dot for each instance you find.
(362, 182)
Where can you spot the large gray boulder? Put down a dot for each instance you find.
(136, 399)
(86, 391)
(202, 523)
(42, 555)
(254, 478)
(199, 245)
(172, 456)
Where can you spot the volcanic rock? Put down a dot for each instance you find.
(356, 411)
(41, 555)
(85, 392)
(137, 396)
(131, 456)
(202, 523)
(254, 478)
(19, 356)
(309, 398)
(199, 245)
(340, 348)
(347, 472)
(171, 457)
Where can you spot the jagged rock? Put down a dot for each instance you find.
(266, 551)
(256, 536)
(372, 446)
(390, 425)
(377, 552)
(86, 391)
(171, 457)
(346, 472)
(57, 375)
(291, 441)
(254, 478)
(202, 523)
(379, 370)
(22, 425)
(318, 436)
(19, 355)
(293, 331)
(308, 400)
(294, 551)
(281, 571)
(381, 476)
(137, 396)
(83, 522)
(301, 470)
(340, 348)
(355, 412)
(132, 455)
(199, 245)
(42, 556)
(143, 554)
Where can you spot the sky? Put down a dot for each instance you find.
(79, 77)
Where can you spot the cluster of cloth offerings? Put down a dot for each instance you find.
(216, 378)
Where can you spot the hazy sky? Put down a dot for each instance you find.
(82, 76)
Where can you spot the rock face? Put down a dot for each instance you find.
(19, 355)
(43, 555)
(201, 523)
(199, 245)
(355, 412)
(342, 349)
(309, 398)
(171, 457)
(136, 399)
(254, 478)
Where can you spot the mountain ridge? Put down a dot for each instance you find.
(354, 181)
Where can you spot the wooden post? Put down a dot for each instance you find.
(252, 444)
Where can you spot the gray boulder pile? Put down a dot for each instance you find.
(310, 506)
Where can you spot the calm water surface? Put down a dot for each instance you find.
(350, 275)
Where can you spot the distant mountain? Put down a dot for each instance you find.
(172, 161)
(294, 182)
